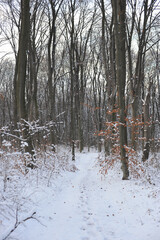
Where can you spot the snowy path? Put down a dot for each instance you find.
(84, 207)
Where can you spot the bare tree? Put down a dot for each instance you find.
(51, 51)
(20, 94)
(140, 22)
(119, 16)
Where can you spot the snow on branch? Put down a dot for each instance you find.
(17, 223)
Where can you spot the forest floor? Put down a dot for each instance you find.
(82, 204)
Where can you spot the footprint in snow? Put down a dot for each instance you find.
(83, 228)
(85, 218)
(90, 223)
(90, 213)
(99, 229)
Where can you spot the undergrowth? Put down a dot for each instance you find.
(19, 182)
(148, 171)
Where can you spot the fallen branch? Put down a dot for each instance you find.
(17, 224)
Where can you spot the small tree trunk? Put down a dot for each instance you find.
(72, 75)
(146, 127)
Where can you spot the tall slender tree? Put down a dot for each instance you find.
(119, 16)
(21, 66)
(54, 7)
(22, 60)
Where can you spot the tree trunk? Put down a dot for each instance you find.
(51, 73)
(33, 113)
(22, 60)
(146, 126)
(119, 11)
(21, 74)
(72, 75)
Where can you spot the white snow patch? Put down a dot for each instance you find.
(81, 204)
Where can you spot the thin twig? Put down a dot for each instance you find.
(18, 223)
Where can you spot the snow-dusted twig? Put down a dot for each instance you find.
(60, 114)
(17, 224)
(14, 136)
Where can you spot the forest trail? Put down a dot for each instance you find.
(76, 210)
(83, 206)
(80, 210)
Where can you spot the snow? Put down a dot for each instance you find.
(81, 204)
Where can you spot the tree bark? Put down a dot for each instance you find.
(119, 11)
(21, 66)
(146, 126)
(22, 60)
(72, 75)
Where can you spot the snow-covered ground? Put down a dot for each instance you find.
(84, 205)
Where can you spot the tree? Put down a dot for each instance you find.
(108, 56)
(146, 125)
(34, 57)
(119, 16)
(51, 51)
(140, 23)
(22, 61)
(20, 84)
